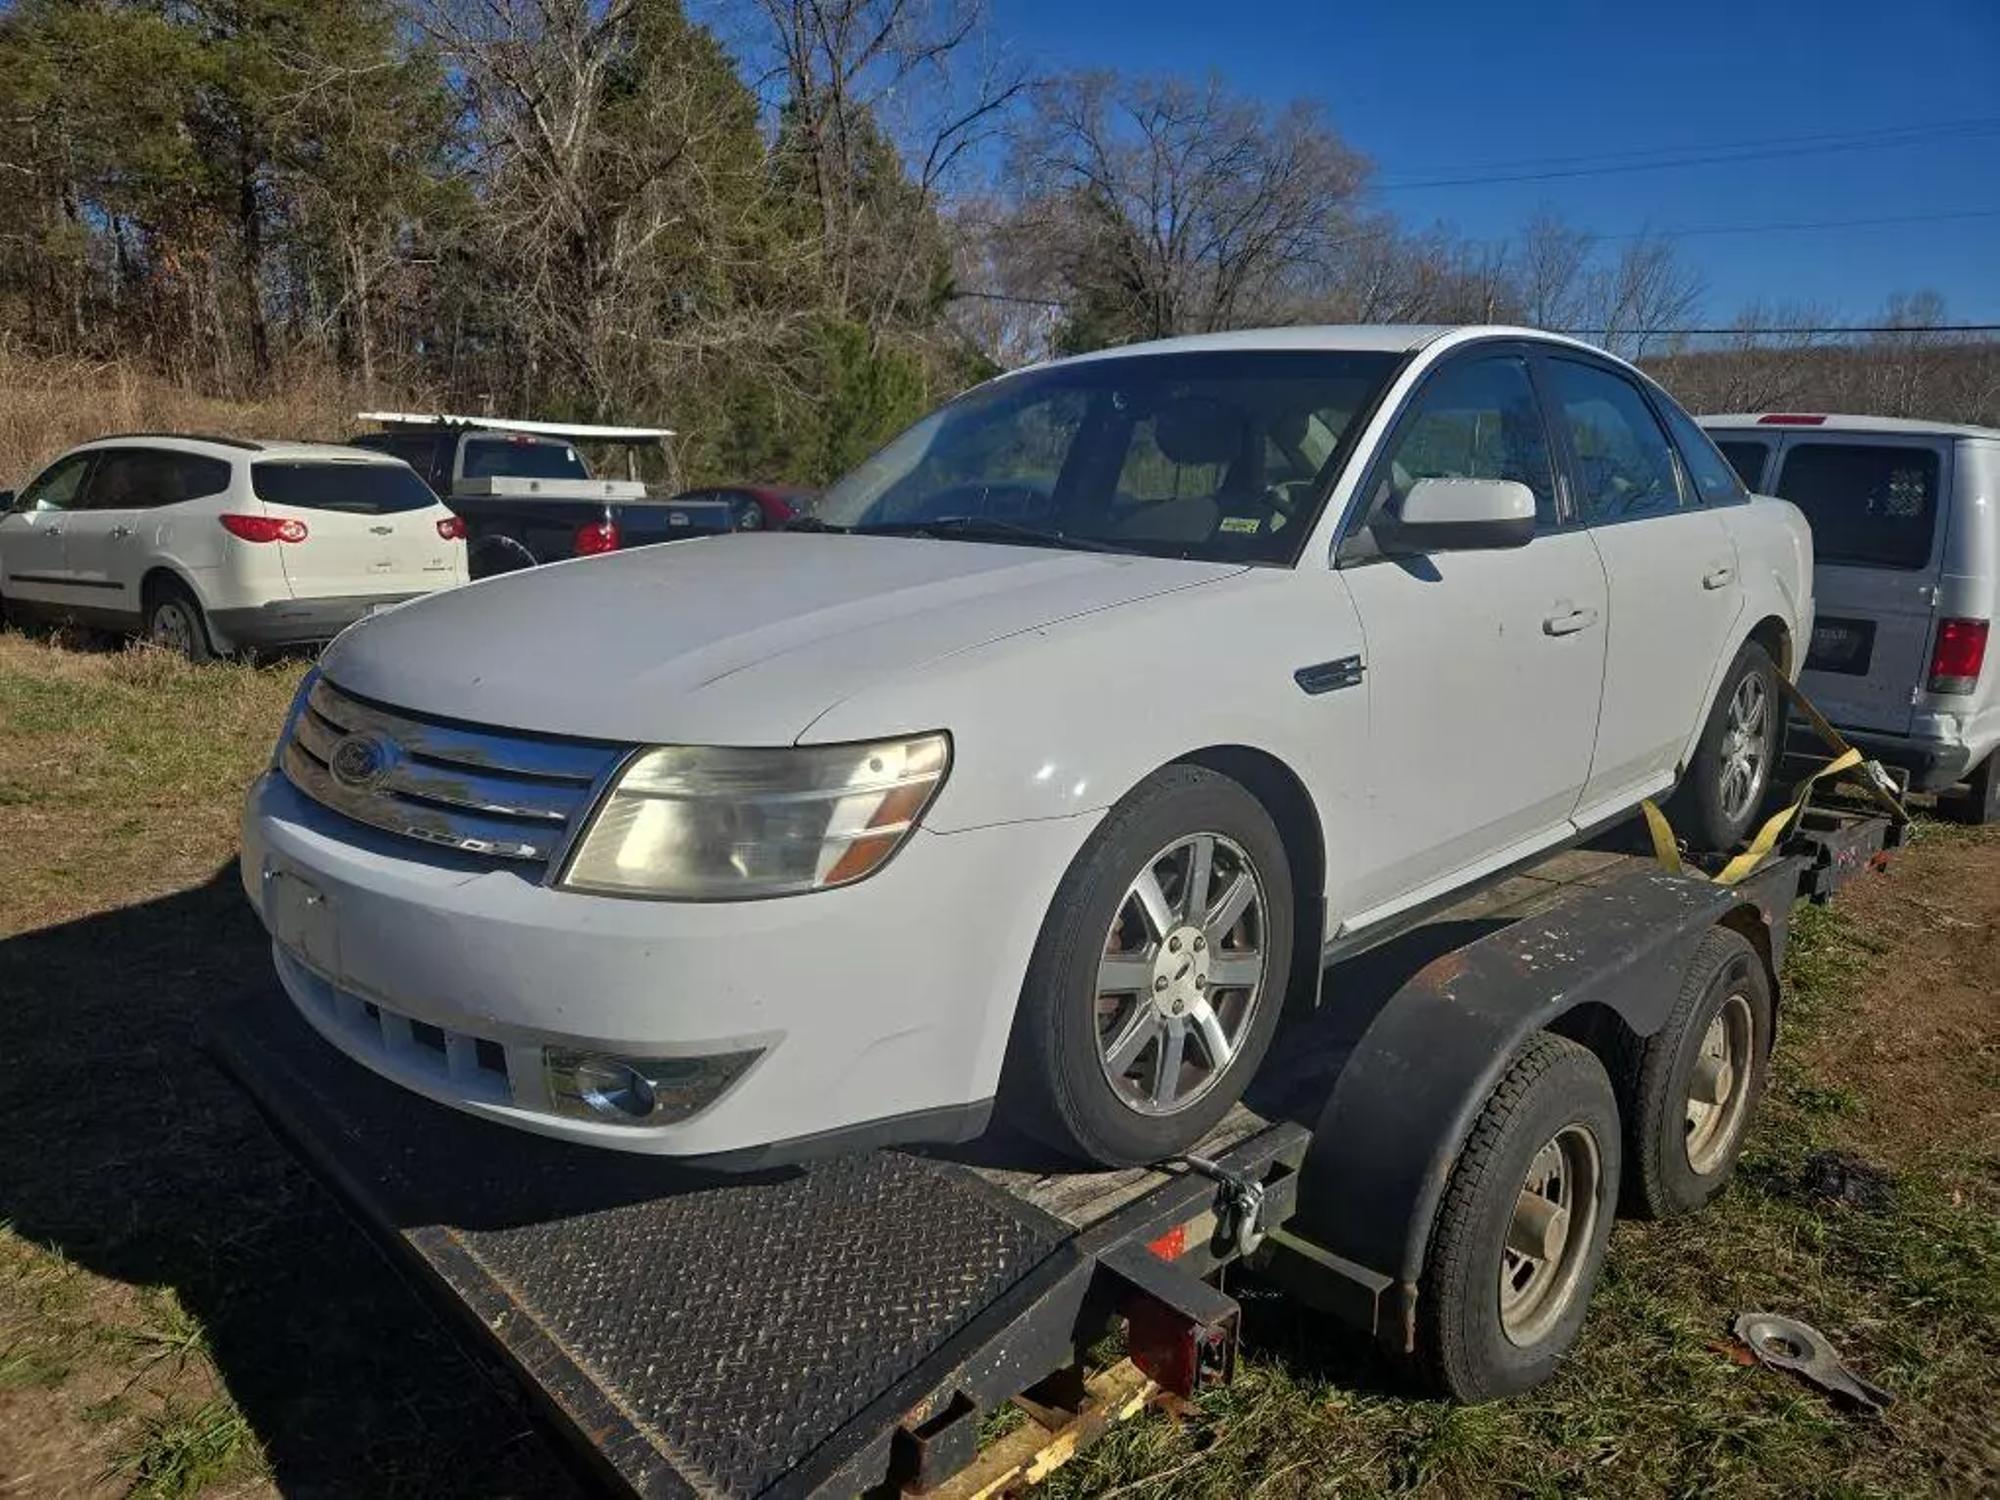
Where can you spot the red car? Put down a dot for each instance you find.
(758, 505)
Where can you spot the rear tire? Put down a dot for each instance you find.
(174, 622)
(1979, 804)
(1136, 986)
(1693, 1087)
(1730, 775)
(1540, 1167)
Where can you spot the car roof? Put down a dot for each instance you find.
(227, 447)
(1363, 338)
(1845, 422)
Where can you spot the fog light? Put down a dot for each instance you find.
(637, 1090)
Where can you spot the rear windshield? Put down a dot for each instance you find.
(1870, 504)
(1746, 458)
(361, 489)
(518, 458)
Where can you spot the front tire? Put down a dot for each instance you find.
(1521, 1232)
(1159, 975)
(174, 622)
(1726, 782)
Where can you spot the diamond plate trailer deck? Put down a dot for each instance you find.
(845, 1326)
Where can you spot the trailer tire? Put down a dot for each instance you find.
(1473, 1343)
(1979, 804)
(1681, 1145)
(1058, 1083)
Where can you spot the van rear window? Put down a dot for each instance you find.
(1870, 504)
(360, 489)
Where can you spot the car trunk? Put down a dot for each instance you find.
(1876, 505)
(371, 528)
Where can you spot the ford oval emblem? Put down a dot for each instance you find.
(360, 761)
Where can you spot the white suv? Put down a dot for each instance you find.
(211, 545)
(1040, 760)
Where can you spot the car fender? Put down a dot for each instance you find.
(1068, 717)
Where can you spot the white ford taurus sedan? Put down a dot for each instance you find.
(1041, 762)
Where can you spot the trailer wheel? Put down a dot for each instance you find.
(1692, 1087)
(1520, 1234)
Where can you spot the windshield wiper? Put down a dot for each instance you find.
(989, 529)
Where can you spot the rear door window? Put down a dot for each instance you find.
(147, 478)
(1624, 465)
(356, 488)
(1871, 505)
(1746, 456)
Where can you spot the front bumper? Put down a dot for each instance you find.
(296, 622)
(878, 1011)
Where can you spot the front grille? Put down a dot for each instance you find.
(492, 792)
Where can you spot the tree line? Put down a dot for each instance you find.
(784, 228)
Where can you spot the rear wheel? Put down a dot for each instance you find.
(174, 622)
(1980, 802)
(1521, 1231)
(1693, 1086)
(1724, 788)
(1159, 974)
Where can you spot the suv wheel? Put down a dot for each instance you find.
(174, 622)
(1724, 788)
(1159, 975)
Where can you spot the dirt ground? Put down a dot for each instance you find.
(183, 1309)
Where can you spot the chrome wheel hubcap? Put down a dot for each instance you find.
(1745, 748)
(1181, 975)
(1719, 1086)
(1555, 1217)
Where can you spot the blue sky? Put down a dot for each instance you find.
(1455, 89)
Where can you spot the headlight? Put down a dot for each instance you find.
(715, 824)
(292, 714)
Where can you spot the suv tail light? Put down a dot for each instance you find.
(264, 528)
(452, 528)
(596, 537)
(1959, 655)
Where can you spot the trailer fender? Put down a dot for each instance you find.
(1408, 1095)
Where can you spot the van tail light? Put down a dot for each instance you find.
(596, 537)
(264, 528)
(1959, 655)
(452, 528)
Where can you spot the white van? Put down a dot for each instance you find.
(1907, 550)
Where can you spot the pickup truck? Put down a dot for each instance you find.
(524, 494)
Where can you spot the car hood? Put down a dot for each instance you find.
(742, 639)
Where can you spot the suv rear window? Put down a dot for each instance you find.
(1870, 504)
(360, 489)
(519, 458)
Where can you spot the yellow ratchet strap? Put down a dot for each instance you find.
(1667, 851)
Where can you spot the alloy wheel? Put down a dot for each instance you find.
(1182, 973)
(1745, 747)
(173, 629)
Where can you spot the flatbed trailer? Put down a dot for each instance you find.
(850, 1326)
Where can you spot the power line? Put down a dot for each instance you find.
(1797, 225)
(1713, 158)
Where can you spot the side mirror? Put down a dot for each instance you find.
(1462, 515)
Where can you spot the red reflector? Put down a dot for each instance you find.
(452, 528)
(598, 536)
(264, 528)
(1172, 1244)
(1790, 419)
(1959, 656)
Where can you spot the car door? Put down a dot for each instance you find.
(1876, 504)
(1672, 568)
(33, 560)
(1482, 667)
(106, 553)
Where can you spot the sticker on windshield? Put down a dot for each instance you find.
(1242, 525)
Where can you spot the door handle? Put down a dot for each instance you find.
(1715, 578)
(121, 531)
(1570, 622)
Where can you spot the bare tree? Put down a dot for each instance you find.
(1633, 305)
(1162, 206)
(1552, 271)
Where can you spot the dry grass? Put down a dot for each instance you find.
(47, 405)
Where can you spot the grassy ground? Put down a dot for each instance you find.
(182, 1310)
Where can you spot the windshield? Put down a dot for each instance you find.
(1223, 456)
(521, 458)
(360, 489)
